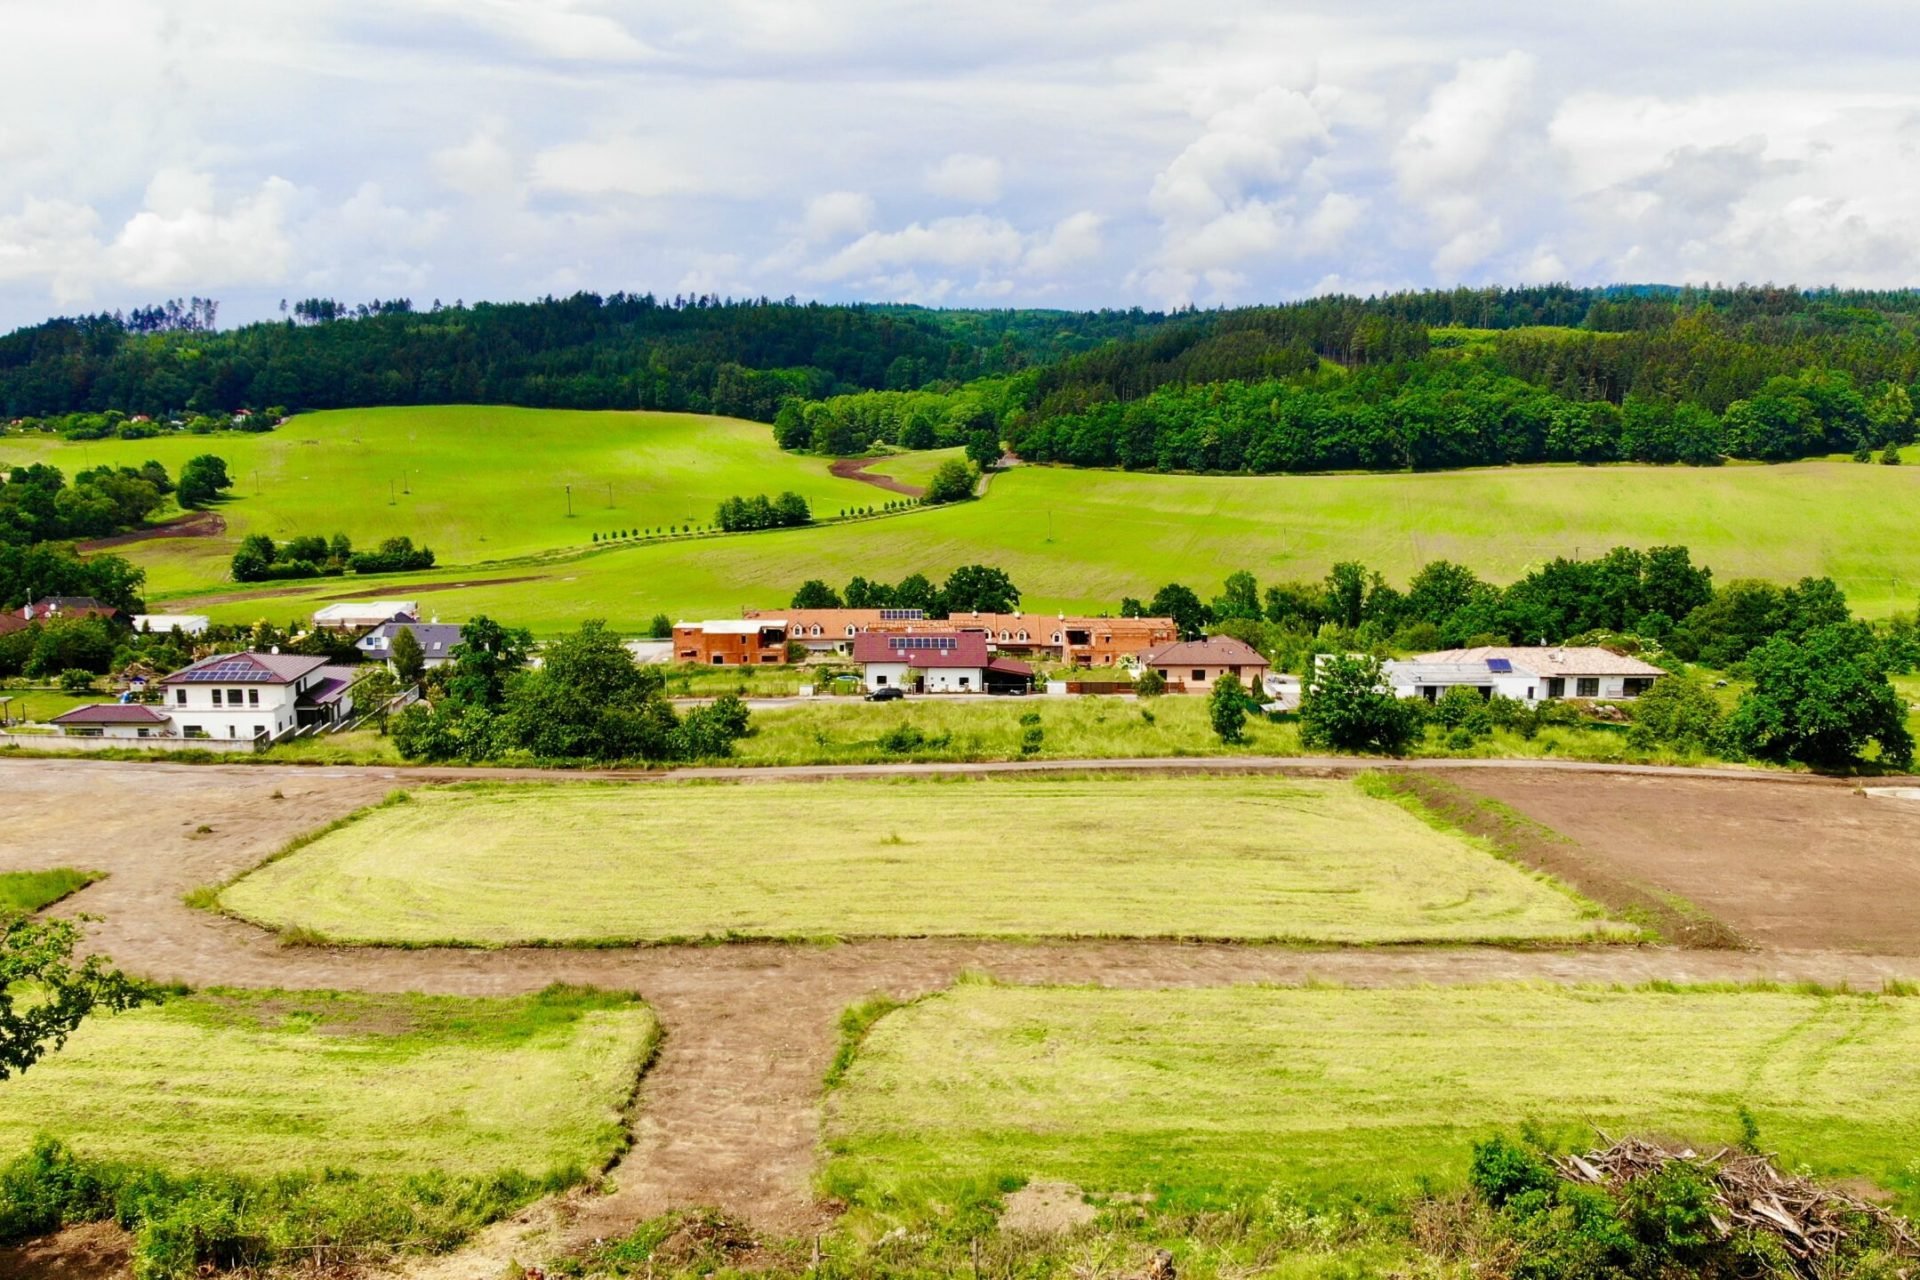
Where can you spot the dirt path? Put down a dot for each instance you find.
(729, 1115)
(856, 469)
(192, 524)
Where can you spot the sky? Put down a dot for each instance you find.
(986, 153)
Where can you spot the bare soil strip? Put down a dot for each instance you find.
(856, 469)
(193, 524)
(729, 1114)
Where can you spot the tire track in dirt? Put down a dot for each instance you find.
(729, 1115)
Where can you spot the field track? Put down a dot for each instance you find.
(729, 1114)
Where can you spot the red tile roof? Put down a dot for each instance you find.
(111, 713)
(924, 649)
(246, 668)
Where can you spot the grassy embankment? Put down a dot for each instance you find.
(247, 1129)
(30, 891)
(1256, 858)
(487, 485)
(1211, 1097)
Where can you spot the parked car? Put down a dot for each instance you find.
(888, 694)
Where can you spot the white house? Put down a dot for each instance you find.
(189, 624)
(436, 641)
(255, 695)
(1528, 674)
(359, 615)
(937, 662)
(114, 720)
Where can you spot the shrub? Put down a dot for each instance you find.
(903, 738)
(76, 680)
(1348, 707)
(1681, 712)
(1150, 683)
(1462, 708)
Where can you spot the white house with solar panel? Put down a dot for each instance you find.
(1527, 674)
(255, 695)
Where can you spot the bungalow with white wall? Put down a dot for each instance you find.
(1529, 674)
(256, 695)
(937, 662)
(114, 720)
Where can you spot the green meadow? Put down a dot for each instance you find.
(474, 482)
(269, 1082)
(1256, 858)
(1204, 1096)
(485, 487)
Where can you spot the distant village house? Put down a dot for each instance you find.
(937, 662)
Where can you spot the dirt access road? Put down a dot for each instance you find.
(729, 1114)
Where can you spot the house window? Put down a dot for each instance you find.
(216, 697)
(233, 697)
(1199, 676)
(816, 628)
(878, 681)
(965, 681)
(849, 628)
(769, 657)
(192, 731)
(1020, 635)
(1634, 686)
(259, 731)
(1530, 693)
(253, 697)
(1556, 687)
(179, 697)
(719, 659)
(1587, 687)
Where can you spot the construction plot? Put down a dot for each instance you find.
(1794, 865)
(1254, 858)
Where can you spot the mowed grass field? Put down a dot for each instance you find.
(1257, 858)
(269, 1082)
(476, 483)
(1083, 539)
(1202, 1095)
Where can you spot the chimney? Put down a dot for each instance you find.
(275, 651)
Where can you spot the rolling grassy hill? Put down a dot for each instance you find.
(486, 487)
(476, 483)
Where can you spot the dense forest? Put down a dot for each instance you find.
(703, 355)
(1413, 380)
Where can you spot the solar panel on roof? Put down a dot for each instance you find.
(1500, 666)
(220, 671)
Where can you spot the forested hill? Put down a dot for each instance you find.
(1432, 379)
(626, 351)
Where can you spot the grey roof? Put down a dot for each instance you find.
(1551, 660)
(1420, 671)
(436, 638)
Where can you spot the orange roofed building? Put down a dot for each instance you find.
(1077, 640)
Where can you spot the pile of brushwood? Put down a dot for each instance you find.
(1639, 1208)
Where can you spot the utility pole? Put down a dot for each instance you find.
(569, 502)
(609, 495)
(391, 500)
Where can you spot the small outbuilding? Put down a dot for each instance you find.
(114, 720)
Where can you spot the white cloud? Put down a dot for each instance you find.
(632, 165)
(1466, 126)
(480, 166)
(969, 178)
(1073, 240)
(1254, 145)
(185, 238)
(837, 214)
(973, 241)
